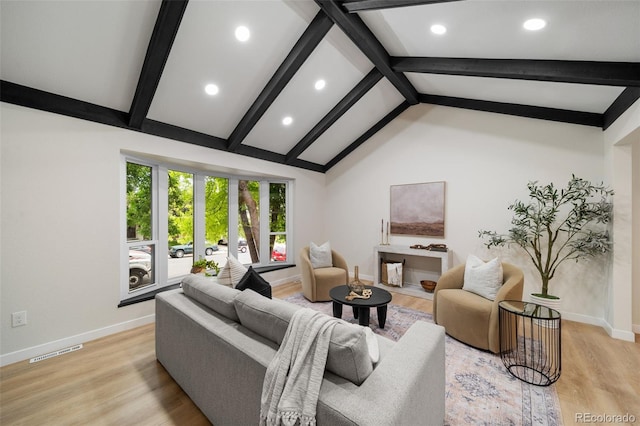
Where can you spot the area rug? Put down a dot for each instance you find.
(479, 389)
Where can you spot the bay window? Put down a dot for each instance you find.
(197, 214)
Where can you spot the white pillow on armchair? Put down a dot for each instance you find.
(483, 278)
(320, 256)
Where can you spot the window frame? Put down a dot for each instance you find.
(159, 214)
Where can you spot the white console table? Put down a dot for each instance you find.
(408, 287)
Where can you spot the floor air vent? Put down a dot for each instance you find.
(56, 353)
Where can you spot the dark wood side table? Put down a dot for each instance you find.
(530, 345)
(379, 299)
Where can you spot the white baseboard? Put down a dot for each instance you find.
(601, 322)
(629, 336)
(44, 348)
(586, 319)
(276, 283)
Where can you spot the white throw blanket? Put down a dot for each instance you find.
(293, 378)
(394, 274)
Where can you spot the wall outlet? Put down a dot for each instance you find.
(18, 319)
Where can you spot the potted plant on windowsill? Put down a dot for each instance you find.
(205, 266)
(556, 226)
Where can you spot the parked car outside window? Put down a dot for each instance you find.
(279, 253)
(139, 267)
(181, 249)
(242, 244)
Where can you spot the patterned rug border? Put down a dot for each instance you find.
(479, 389)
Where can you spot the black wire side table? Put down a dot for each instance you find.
(530, 346)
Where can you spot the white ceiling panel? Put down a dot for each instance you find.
(575, 30)
(578, 97)
(87, 50)
(370, 109)
(336, 61)
(206, 51)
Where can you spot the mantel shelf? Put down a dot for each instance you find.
(412, 252)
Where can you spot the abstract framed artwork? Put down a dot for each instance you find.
(418, 209)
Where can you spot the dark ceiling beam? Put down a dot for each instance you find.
(627, 98)
(252, 151)
(180, 134)
(164, 33)
(364, 39)
(28, 97)
(542, 113)
(303, 48)
(368, 134)
(583, 72)
(354, 6)
(17, 94)
(361, 89)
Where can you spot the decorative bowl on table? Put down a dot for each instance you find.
(428, 285)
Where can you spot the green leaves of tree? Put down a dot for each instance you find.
(557, 225)
(139, 201)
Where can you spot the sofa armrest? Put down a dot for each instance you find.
(407, 387)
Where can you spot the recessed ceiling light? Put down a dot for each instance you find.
(287, 120)
(320, 84)
(438, 29)
(211, 89)
(534, 24)
(243, 33)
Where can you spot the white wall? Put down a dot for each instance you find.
(60, 225)
(622, 139)
(635, 291)
(486, 161)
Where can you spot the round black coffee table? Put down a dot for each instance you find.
(379, 299)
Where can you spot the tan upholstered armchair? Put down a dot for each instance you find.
(316, 283)
(470, 318)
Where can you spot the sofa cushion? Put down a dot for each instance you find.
(231, 273)
(252, 280)
(211, 294)
(348, 351)
(372, 345)
(483, 279)
(267, 317)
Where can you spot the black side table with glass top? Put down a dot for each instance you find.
(530, 341)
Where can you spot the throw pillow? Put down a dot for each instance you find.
(483, 279)
(231, 273)
(320, 255)
(255, 282)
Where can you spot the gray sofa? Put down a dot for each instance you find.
(216, 342)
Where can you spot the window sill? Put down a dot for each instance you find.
(152, 294)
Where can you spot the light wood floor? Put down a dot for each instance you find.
(116, 380)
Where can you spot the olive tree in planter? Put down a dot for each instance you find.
(556, 225)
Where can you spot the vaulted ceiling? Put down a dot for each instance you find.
(143, 65)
